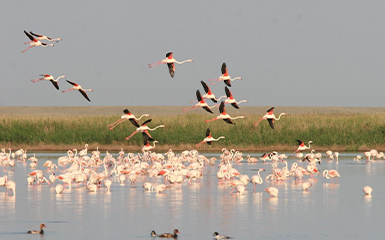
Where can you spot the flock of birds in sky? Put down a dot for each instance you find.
(174, 168)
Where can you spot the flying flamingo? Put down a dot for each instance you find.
(43, 37)
(170, 63)
(201, 103)
(224, 77)
(230, 99)
(49, 78)
(208, 139)
(302, 146)
(127, 116)
(270, 117)
(147, 145)
(209, 94)
(144, 129)
(78, 87)
(34, 42)
(223, 115)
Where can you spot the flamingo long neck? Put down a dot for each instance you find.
(57, 79)
(279, 117)
(156, 127)
(309, 145)
(188, 60)
(237, 117)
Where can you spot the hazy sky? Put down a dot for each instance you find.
(289, 53)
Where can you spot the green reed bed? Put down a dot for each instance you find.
(341, 131)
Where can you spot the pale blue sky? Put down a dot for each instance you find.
(289, 53)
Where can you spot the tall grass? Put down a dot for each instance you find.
(349, 132)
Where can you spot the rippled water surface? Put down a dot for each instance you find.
(327, 211)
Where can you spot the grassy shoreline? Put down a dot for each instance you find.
(54, 129)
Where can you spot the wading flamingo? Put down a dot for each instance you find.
(273, 191)
(10, 185)
(330, 174)
(144, 129)
(230, 99)
(127, 116)
(270, 117)
(224, 77)
(37, 231)
(59, 189)
(257, 179)
(201, 103)
(79, 88)
(208, 139)
(223, 115)
(306, 186)
(43, 37)
(170, 63)
(209, 94)
(35, 43)
(49, 78)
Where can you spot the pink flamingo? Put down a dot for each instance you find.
(127, 116)
(209, 94)
(208, 139)
(79, 88)
(224, 77)
(144, 129)
(273, 191)
(43, 37)
(257, 179)
(34, 42)
(201, 103)
(330, 174)
(49, 78)
(223, 115)
(230, 99)
(147, 145)
(270, 117)
(302, 146)
(170, 63)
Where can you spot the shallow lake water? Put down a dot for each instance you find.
(327, 211)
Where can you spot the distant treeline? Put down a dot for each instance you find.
(350, 132)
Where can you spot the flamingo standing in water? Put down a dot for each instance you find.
(43, 37)
(209, 94)
(170, 63)
(144, 129)
(208, 139)
(49, 78)
(270, 117)
(230, 99)
(34, 42)
(79, 88)
(273, 191)
(224, 77)
(257, 179)
(201, 103)
(330, 174)
(127, 116)
(223, 115)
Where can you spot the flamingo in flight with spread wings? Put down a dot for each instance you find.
(208, 139)
(223, 115)
(79, 88)
(170, 63)
(127, 116)
(35, 43)
(230, 99)
(146, 141)
(201, 103)
(49, 78)
(224, 77)
(144, 129)
(270, 117)
(302, 146)
(43, 37)
(209, 94)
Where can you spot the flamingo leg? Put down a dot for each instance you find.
(186, 109)
(257, 122)
(150, 65)
(115, 124)
(26, 49)
(212, 120)
(199, 144)
(132, 134)
(68, 90)
(36, 80)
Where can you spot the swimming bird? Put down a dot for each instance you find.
(217, 236)
(34, 42)
(270, 117)
(144, 129)
(367, 190)
(223, 115)
(127, 116)
(201, 103)
(43, 37)
(230, 99)
(208, 139)
(166, 235)
(209, 94)
(59, 189)
(170, 63)
(36, 231)
(273, 191)
(79, 88)
(50, 78)
(224, 77)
